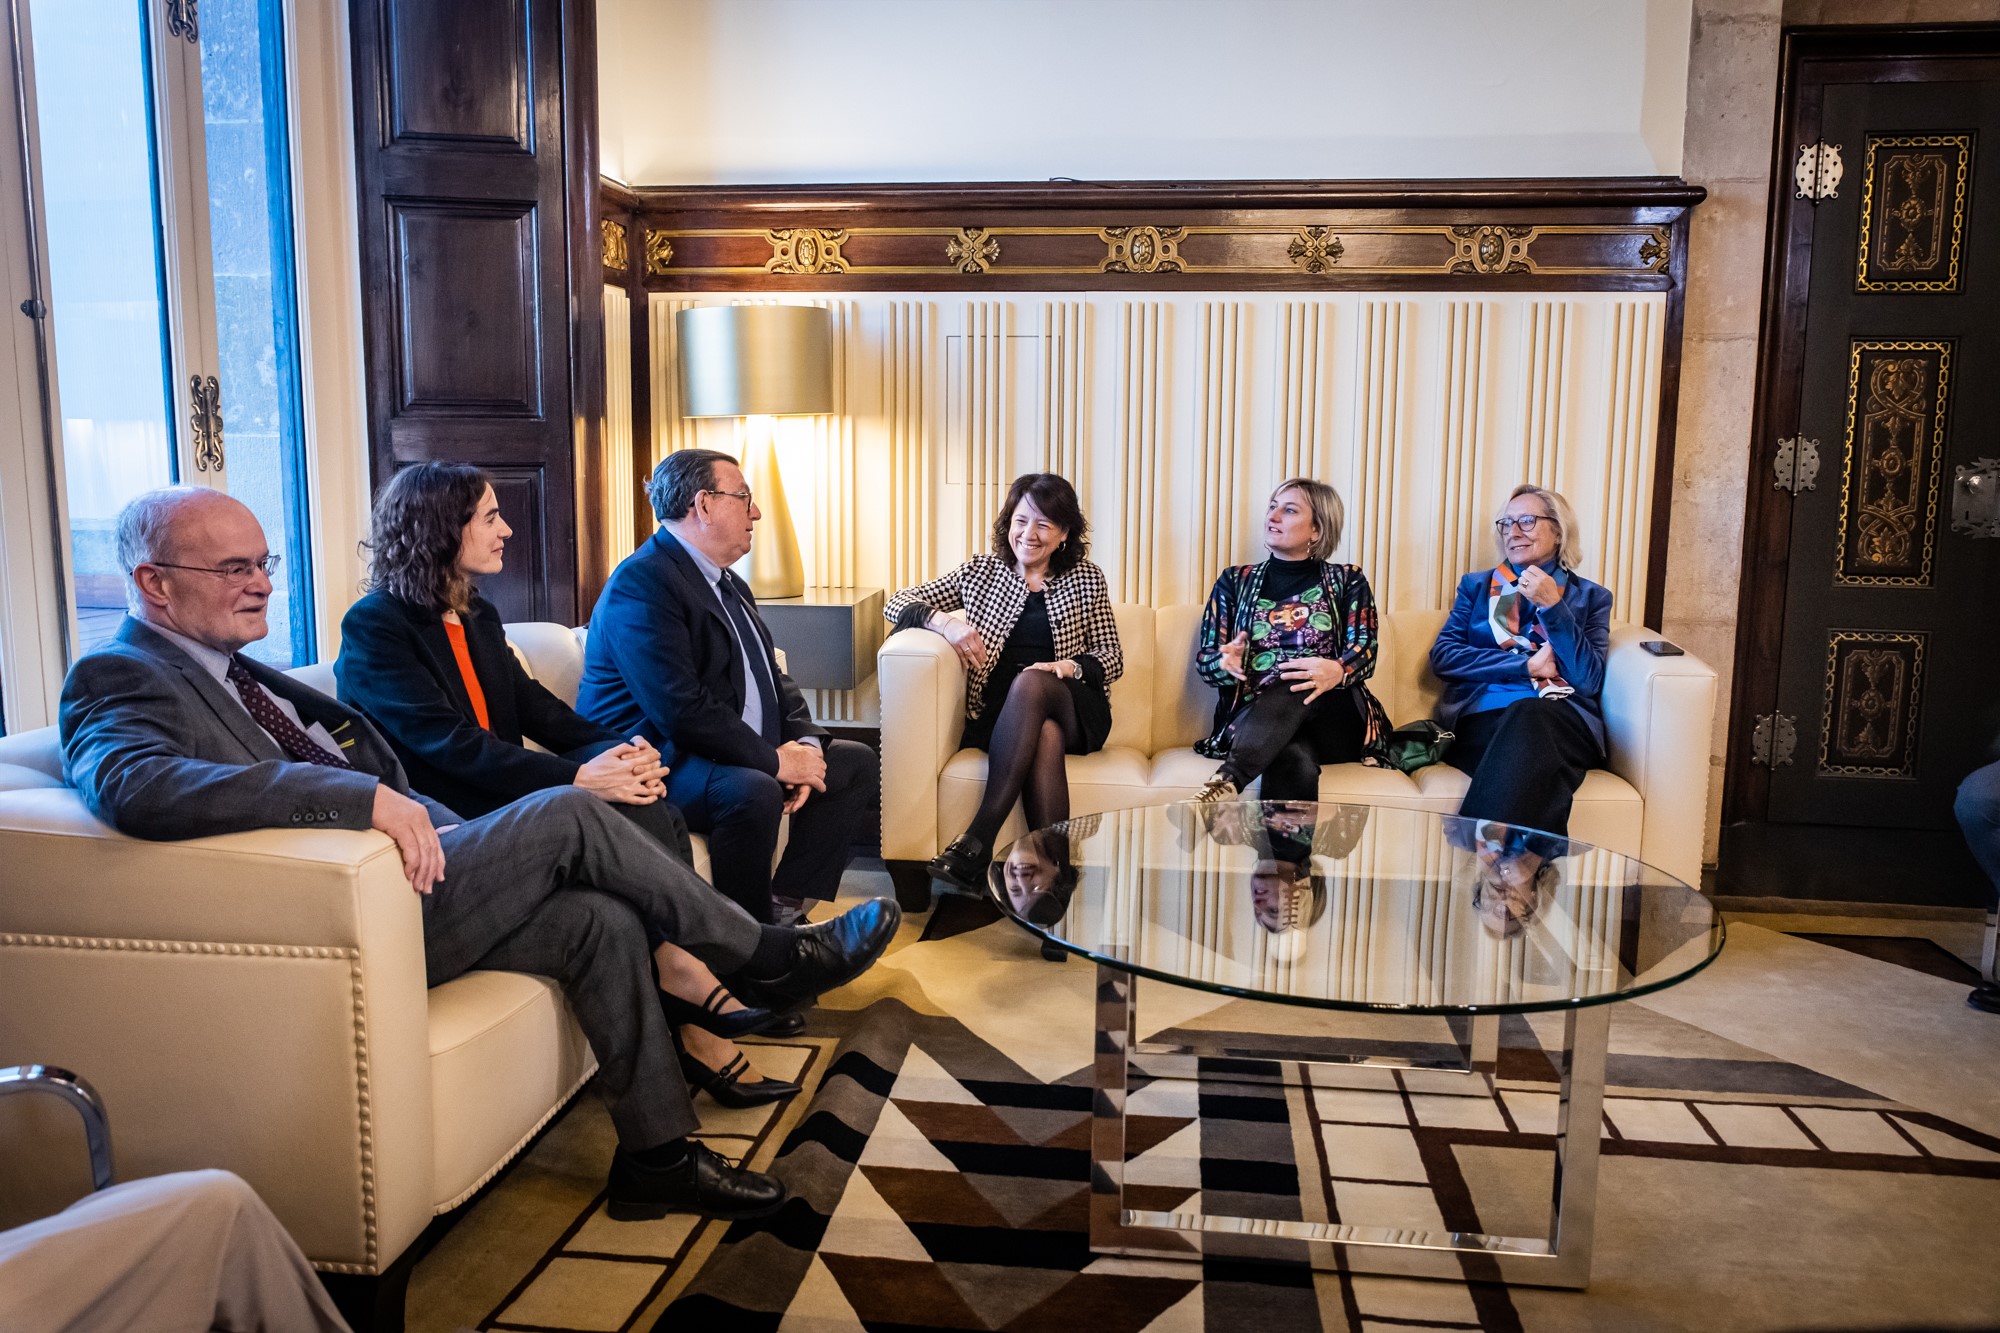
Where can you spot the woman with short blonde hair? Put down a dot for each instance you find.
(1522, 661)
(1290, 643)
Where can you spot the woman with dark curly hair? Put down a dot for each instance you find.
(1040, 649)
(425, 658)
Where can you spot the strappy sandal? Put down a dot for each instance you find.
(708, 1015)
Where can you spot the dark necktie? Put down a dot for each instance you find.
(264, 710)
(736, 605)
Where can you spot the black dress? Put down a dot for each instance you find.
(1032, 641)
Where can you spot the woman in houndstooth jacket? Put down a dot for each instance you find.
(1040, 649)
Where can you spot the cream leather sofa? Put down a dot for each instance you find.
(257, 1002)
(1649, 803)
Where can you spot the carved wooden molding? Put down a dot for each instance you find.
(1603, 234)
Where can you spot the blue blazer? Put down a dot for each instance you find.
(1467, 660)
(660, 662)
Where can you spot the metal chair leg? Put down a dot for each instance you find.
(79, 1094)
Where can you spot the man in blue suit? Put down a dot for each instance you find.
(677, 653)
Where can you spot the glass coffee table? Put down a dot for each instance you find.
(1362, 908)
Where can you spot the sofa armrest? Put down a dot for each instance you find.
(923, 712)
(254, 1002)
(1659, 713)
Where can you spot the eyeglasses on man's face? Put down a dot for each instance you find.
(743, 495)
(1525, 524)
(233, 572)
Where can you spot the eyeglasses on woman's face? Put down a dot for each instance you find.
(1525, 524)
(233, 572)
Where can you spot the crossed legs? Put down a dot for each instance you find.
(1024, 759)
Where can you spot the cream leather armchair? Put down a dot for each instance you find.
(1649, 802)
(257, 1002)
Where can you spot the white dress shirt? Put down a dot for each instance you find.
(216, 664)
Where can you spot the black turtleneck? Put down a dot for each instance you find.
(1284, 580)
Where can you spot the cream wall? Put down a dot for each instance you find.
(776, 91)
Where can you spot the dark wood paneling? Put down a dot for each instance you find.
(465, 295)
(519, 493)
(473, 127)
(1609, 235)
(458, 73)
(586, 305)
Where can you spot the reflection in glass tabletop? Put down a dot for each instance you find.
(1356, 907)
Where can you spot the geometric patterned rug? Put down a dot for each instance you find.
(938, 1167)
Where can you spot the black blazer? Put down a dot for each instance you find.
(397, 668)
(660, 661)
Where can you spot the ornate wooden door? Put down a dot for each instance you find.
(1885, 688)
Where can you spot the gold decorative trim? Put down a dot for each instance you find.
(617, 256)
(1635, 250)
(1913, 210)
(1491, 249)
(1871, 703)
(1932, 457)
(1315, 249)
(805, 250)
(362, 1087)
(659, 252)
(973, 250)
(1142, 249)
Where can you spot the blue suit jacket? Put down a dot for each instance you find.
(660, 662)
(1466, 659)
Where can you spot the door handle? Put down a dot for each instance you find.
(1975, 498)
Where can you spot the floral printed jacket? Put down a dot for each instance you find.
(1346, 633)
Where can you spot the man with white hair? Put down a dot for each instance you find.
(170, 732)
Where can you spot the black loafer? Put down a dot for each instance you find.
(962, 865)
(785, 1025)
(824, 956)
(704, 1183)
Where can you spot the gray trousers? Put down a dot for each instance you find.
(561, 885)
(183, 1253)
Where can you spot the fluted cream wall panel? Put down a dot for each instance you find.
(1064, 346)
(1463, 377)
(1142, 377)
(1175, 414)
(1216, 518)
(620, 534)
(1303, 390)
(671, 431)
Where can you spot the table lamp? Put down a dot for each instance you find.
(759, 362)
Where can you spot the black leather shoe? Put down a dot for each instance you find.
(824, 956)
(962, 865)
(1985, 996)
(704, 1183)
(709, 1017)
(726, 1084)
(786, 1025)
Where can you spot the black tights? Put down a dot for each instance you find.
(1024, 758)
(1282, 738)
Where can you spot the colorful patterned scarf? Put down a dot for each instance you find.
(1503, 616)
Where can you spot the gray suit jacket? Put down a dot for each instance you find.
(160, 749)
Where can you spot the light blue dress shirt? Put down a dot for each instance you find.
(753, 701)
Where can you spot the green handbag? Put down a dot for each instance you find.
(1411, 747)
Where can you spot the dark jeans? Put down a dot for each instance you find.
(1978, 811)
(739, 809)
(1526, 762)
(1281, 738)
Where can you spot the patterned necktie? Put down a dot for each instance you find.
(264, 710)
(736, 604)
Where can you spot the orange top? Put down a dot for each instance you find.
(466, 673)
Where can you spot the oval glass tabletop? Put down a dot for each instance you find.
(1356, 907)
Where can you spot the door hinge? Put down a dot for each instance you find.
(205, 421)
(1773, 740)
(1817, 173)
(1797, 464)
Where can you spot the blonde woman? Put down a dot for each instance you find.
(1290, 643)
(1522, 661)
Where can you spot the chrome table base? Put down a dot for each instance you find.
(1559, 1259)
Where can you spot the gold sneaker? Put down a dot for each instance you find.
(1217, 789)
